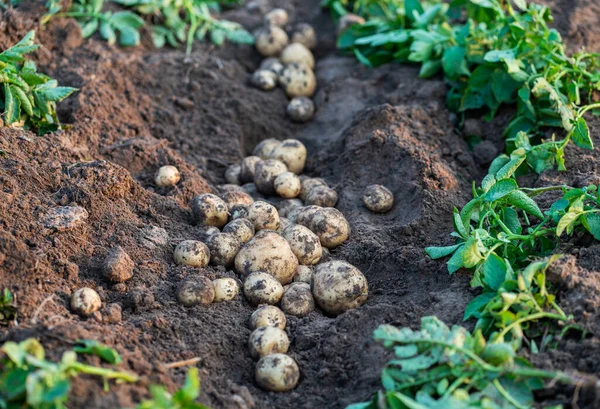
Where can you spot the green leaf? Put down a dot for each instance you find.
(108, 33)
(522, 4)
(59, 93)
(566, 221)
(522, 201)
(439, 252)
(456, 261)
(126, 20)
(459, 227)
(129, 37)
(477, 304)
(454, 62)
(88, 29)
(191, 389)
(494, 272)
(92, 347)
(11, 106)
(500, 189)
(581, 134)
(593, 224)
(430, 68)
(471, 255)
(23, 99)
(516, 159)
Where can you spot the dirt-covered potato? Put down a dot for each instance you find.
(262, 288)
(306, 214)
(243, 229)
(331, 226)
(304, 34)
(378, 198)
(307, 185)
(287, 185)
(322, 196)
(264, 79)
(348, 20)
(265, 173)
(263, 215)
(272, 64)
(304, 244)
(251, 189)
(297, 53)
(223, 248)
(301, 109)
(236, 197)
(298, 80)
(232, 174)
(285, 206)
(339, 286)
(292, 214)
(277, 17)
(284, 223)
(209, 210)
(277, 373)
(292, 153)
(247, 168)
(270, 253)
(238, 212)
(298, 300)
(270, 41)
(304, 274)
(267, 316)
(265, 147)
(86, 301)
(191, 253)
(207, 231)
(196, 290)
(226, 289)
(167, 176)
(268, 340)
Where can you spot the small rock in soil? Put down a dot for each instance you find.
(112, 313)
(484, 153)
(118, 266)
(153, 237)
(65, 217)
(140, 299)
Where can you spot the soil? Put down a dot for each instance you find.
(138, 109)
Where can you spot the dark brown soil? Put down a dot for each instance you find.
(140, 109)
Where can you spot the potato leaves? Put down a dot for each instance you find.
(182, 399)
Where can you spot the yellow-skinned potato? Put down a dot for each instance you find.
(223, 248)
(309, 183)
(378, 198)
(306, 214)
(267, 316)
(243, 229)
(247, 168)
(238, 212)
(263, 148)
(297, 53)
(284, 223)
(292, 153)
(270, 41)
(191, 253)
(339, 286)
(272, 64)
(262, 288)
(304, 244)
(209, 210)
(226, 289)
(305, 34)
(268, 340)
(298, 80)
(292, 214)
(232, 174)
(331, 226)
(85, 301)
(196, 290)
(287, 185)
(276, 17)
(322, 196)
(264, 79)
(236, 197)
(301, 109)
(266, 172)
(285, 206)
(167, 176)
(304, 274)
(277, 373)
(298, 300)
(263, 215)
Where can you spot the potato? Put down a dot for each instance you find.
(308, 184)
(270, 41)
(264, 79)
(86, 301)
(209, 210)
(378, 198)
(167, 176)
(263, 215)
(229, 187)
(306, 214)
(322, 196)
(268, 340)
(331, 226)
(297, 53)
(287, 185)
(207, 231)
(272, 64)
(348, 20)
(339, 286)
(276, 17)
(262, 288)
(286, 205)
(196, 290)
(226, 289)
(284, 223)
(233, 198)
(304, 244)
(270, 253)
(305, 34)
(277, 373)
(238, 212)
(301, 109)
(232, 174)
(292, 153)
(243, 229)
(247, 168)
(304, 274)
(265, 174)
(267, 316)
(292, 214)
(264, 148)
(223, 248)
(298, 300)
(251, 189)
(298, 80)
(191, 253)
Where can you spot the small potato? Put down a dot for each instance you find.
(167, 176)
(284, 223)
(297, 53)
(191, 253)
(223, 248)
(238, 212)
(247, 168)
(322, 196)
(207, 231)
(265, 174)
(270, 41)
(339, 286)
(301, 109)
(264, 148)
(304, 274)
(298, 80)
(262, 288)
(276, 17)
(287, 185)
(292, 153)
(270, 253)
(308, 184)
(268, 340)
(209, 210)
(298, 300)
(304, 244)
(305, 34)
(233, 198)
(232, 174)
(272, 64)
(348, 20)
(378, 198)
(267, 316)
(286, 205)
(85, 301)
(277, 373)
(263, 215)
(306, 214)
(226, 289)
(243, 229)
(196, 290)
(264, 79)
(331, 226)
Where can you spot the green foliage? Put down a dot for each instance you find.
(8, 311)
(182, 399)
(28, 97)
(92, 347)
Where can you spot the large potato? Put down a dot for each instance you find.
(339, 286)
(305, 215)
(298, 80)
(263, 148)
(304, 274)
(209, 210)
(247, 168)
(331, 226)
(239, 197)
(262, 288)
(297, 53)
(269, 253)
(243, 229)
(191, 253)
(304, 244)
(298, 300)
(270, 41)
(223, 248)
(322, 196)
(266, 172)
(292, 153)
(283, 224)
(267, 316)
(196, 290)
(263, 215)
(277, 373)
(287, 185)
(268, 340)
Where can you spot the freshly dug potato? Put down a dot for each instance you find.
(268, 340)
(226, 289)
(196, 290)
(209, 210)
(331, 226)
(264, 79)
(270, 41)
(308, 184)
(306, 214)
(86, 301)
(223, 248)
(262, 288)
(301, 109)
(247, 168)
(167, 176)
(339, 286)
(287, 185)
(277, 373)
(264, 148)
(298, 300)
(263, 215)
(322, 196)
(305, 34)
(233, 198)
(284, 223)
(292, 153)
(232, 174)
(267, 316)
(272, 64)
(243, 229)
(297, 53)
(348, 20)
(207, 231)
(286, 205)
(304, 244)
(191, 253)
(298, 80)
(304, 274)
(270, 253)
(265, 174)
(292, 214)
(276, 17)
(378, 198)
(251, 189)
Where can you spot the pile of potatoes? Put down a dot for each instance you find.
(289, 62)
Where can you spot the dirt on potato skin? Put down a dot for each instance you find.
(140, 109)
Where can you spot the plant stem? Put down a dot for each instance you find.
(533, 317)
(103, 372)
(507, 395)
